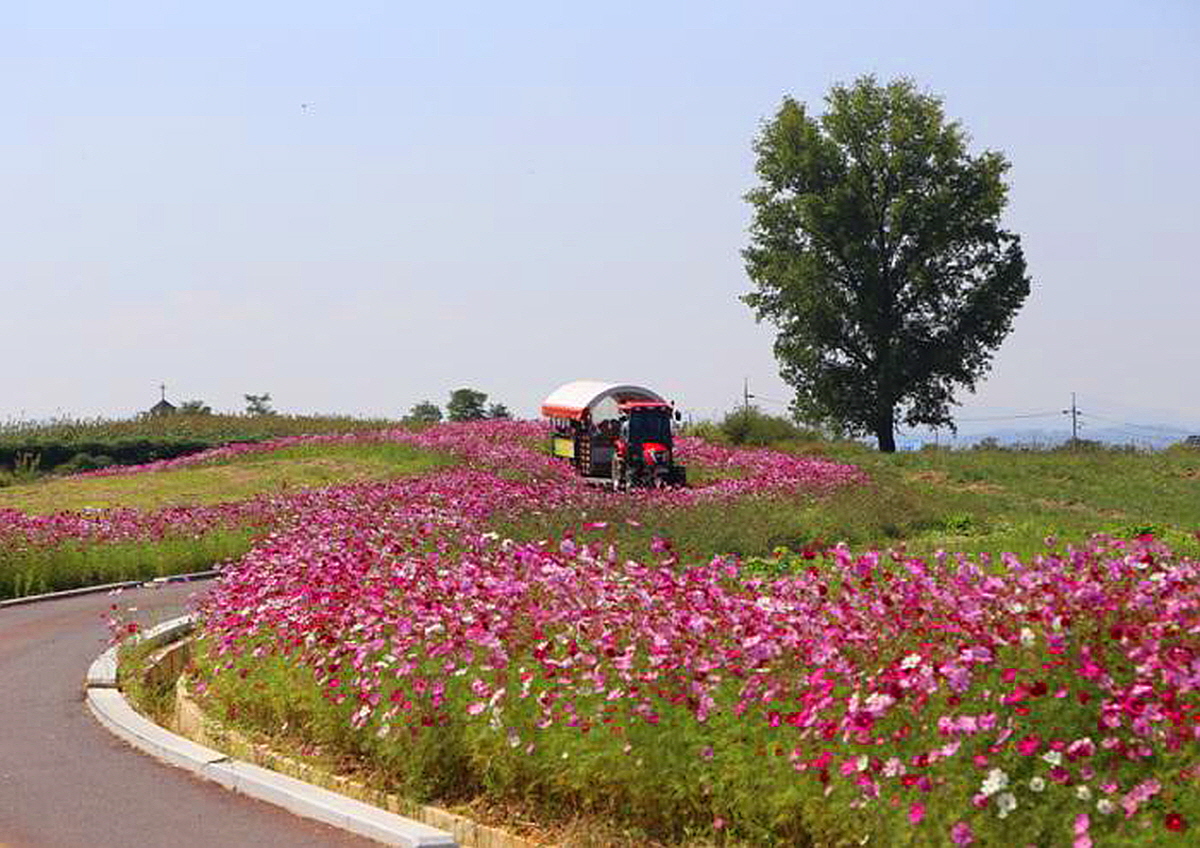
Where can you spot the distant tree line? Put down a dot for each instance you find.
(464, 405)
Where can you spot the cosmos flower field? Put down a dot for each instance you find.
(949, 700)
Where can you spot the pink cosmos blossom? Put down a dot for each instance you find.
(961, 833)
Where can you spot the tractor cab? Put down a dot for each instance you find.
(645, 446)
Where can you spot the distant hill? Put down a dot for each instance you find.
(1147, 438)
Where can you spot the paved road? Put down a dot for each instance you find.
(66, 782)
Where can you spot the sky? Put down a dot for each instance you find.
(358, 206)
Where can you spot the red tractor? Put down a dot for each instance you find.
(617, 434)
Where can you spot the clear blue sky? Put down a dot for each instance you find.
(509, 196)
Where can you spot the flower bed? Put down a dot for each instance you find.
(949, 702)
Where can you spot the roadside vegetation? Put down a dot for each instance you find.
(65, 532)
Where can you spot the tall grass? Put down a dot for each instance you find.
(71, 565)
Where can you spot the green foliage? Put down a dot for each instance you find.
(876, 249)
(710, 431)
(425, 412)
(498, 410)
(259, 404)
(466, 405)
(752, 426)
(84, 461)
(194, 407)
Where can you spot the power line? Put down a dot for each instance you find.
(1182, 430)
(1011, 417)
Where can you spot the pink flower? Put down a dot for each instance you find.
(1029, 746)
(916, 812)
(961, 834)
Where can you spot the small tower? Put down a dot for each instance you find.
(163, 407)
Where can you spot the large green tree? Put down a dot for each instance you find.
(876, 250)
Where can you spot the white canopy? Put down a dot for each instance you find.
(571, 399)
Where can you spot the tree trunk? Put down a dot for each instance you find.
(885, 430)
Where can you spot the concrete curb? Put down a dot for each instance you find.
(111, 709)
(102, 673)
(109, 587)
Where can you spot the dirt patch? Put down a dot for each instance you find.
(1075, 506)
(941, 478)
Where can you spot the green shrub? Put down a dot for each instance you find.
(752, 426)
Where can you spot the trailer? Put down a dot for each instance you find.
(614, 433)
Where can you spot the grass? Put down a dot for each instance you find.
(987, 501)
(78, 444)
(27, 571)
(69, 566)
(1003, 500)
(227, 481)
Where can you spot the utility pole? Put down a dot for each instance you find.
(1074, 413)
(746, 398)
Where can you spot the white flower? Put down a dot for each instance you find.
(862, 762)
(1027, 637)
(1006, 803)
(1054, 758)
(995, 781)
(1083, 793)
(1037, 784)
(1105, 806)
(910, 661)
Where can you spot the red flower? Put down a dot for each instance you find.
(1176, 822)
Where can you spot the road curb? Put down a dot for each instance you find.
(109, 587)
(111, 709)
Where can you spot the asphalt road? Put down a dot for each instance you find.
(66, 782)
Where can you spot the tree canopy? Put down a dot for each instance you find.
(259, 404)
(195, 407)
(425, 412)
(466, 405)
(876, 250)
